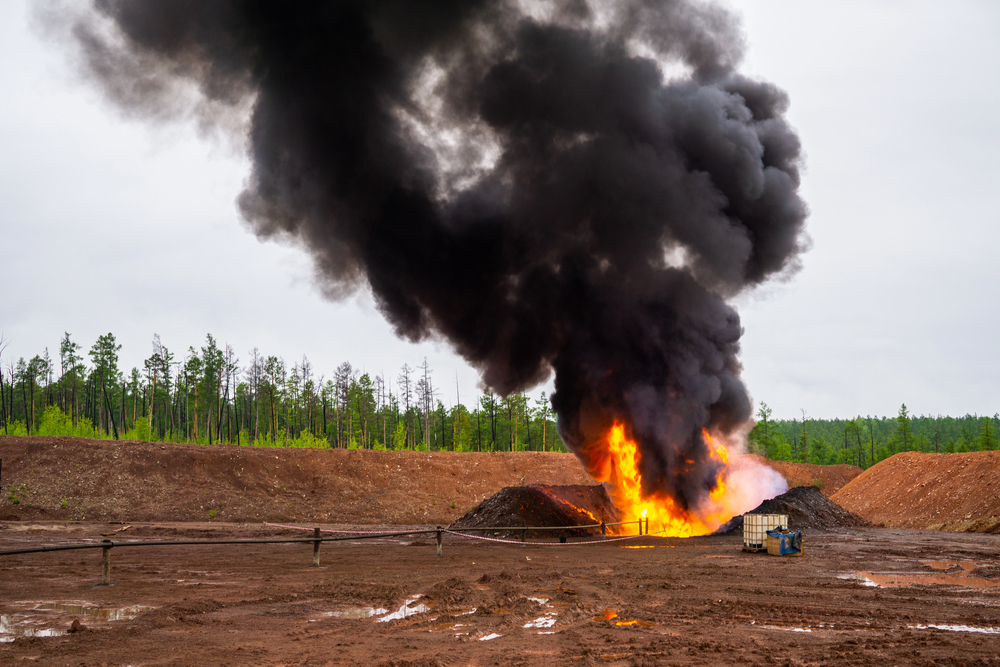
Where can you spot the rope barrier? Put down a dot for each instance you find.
(326, 530)
(344, 535)
(497, 528)
(542, 544)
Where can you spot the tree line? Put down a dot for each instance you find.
(864, 441)
(208, 395)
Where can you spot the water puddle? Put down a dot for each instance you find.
(50, 619)
(409, 608)
(649, 546)
(957, 628)
(781, 627)
(356, 612)
(607, 615)
(943, 576)
(546, 621)
(966, 565)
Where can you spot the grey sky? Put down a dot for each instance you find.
(108, 224)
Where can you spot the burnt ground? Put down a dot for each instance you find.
(699, 601)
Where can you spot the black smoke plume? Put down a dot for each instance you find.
(572, 186)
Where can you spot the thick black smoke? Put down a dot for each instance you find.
(570, 185)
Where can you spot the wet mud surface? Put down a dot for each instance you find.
(860, 596)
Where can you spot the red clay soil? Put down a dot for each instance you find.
(954, 492)
(676, 602)
(141, 481)
(102, 480)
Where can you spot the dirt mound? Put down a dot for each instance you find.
(956, 492)
(105, 480)
(829, 479)
(79, 478)
(806, 507)
(542, 505)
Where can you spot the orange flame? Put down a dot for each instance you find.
(620, 468)
(575, 508)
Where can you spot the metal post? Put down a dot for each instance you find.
(439, 540)
(647, 525)
(106, 563)
(316, 547)
(640, 527)
(604, 531)
(522, 534)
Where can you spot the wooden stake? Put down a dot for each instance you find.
(439, 540)
(106, 564)
(316, 547)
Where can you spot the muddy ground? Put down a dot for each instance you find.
(700, 601)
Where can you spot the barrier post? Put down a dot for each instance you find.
(106, 563)
(523, 530)
(604, 531)
(640, 527)
(439, 540)
(316, 547)
(647, 525)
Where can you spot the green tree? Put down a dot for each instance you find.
(903, 435)
(543, 409)
(212, 364)
(852, 440)
(761, 433)
(987, 438)
(104, 356)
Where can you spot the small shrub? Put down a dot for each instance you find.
(818, 483)
(64, 505)
(211, 514)
(453, 505)
(17, 494)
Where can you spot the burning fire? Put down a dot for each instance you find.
(659, 514)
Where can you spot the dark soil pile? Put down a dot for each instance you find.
(806, 507)
(956, 492)
(542, 505)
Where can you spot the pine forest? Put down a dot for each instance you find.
(208, 395)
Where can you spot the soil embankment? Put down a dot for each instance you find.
(955, 492)
(142, 481)
(103, 480)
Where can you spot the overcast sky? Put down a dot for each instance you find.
(108, 224)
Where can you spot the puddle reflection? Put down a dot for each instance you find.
(50, 619)
(957, 628)
(940, 578)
